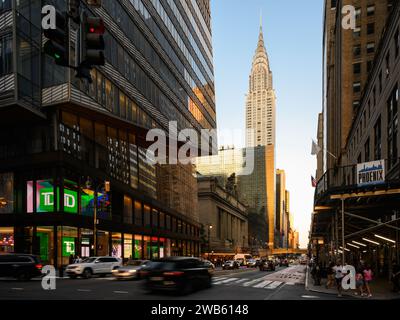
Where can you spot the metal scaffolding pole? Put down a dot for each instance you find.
(343, 243)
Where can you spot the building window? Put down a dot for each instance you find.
(138, 214)
(356, 87)
(357, 68)
(358, 13)
(371, 10)
(393, 124)
(371, 47)
(356, 105)
(370, 28)
(378, 139)
(5, 5)
(357, 33)
(357, 50)
(6, 55)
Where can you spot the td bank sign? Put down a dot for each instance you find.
(46, 198)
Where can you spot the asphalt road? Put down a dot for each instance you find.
(283, 284)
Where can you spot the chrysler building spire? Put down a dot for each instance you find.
(260, 105)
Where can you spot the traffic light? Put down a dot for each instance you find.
(92, 46)
(93, 41)
(57, 45)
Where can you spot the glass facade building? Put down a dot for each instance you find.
(61, 138)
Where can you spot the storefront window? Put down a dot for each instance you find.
(86, 243)
(6, 193)
(44, 196)
(128, 246)
(29, 196)
(116, 245)
(167, 248)
(44, 245)
(103, 244)
(147, 247)
(138, 247)
(6, 240)
(154, 248)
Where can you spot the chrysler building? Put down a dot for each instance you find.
(260, 101)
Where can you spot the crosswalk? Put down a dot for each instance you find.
(259, 283)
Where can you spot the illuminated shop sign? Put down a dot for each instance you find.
(46, 203)
(68, 246)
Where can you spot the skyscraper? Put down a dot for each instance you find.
(260, 102)
(260, 125)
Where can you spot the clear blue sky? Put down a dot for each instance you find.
(293, 37)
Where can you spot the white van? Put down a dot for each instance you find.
(242, 258)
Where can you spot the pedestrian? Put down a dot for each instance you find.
(338, 269)
(359, 283)
(396, 277)
(368, 274)
(331, 276)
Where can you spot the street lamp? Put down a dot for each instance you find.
(106, 186)
(209, 241)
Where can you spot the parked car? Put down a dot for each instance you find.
(131, 270)
(267, 265)
(230, 265)
(101, 266)
(178, 274)
(252, 263)
(20, 266)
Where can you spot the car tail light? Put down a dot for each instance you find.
(144, 273)
(173, 273)
(39, 266)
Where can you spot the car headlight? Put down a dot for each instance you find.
(132, 271)
(114, 270)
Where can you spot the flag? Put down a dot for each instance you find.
(313, 182)
(315, 149)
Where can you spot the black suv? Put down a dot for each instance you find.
(20, 266)
(179, 274)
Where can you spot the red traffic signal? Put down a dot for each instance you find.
(95, 25)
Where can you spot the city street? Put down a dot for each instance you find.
(284, 284)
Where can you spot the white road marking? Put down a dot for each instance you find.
(226, 281)
(310, 297)
(262, 284)
(121, 292)
(241, 281)
(219, 279)
(248, 284)
(84, 290)
(273, 285)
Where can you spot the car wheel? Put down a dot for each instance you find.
(87, 273)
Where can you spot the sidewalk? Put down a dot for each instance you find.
(381, 289)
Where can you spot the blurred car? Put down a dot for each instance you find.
(284, 263)
(178, 274)
(267, 265)
(23, 267)
(230, 265)
(252, 263)
(93, 266)
(130, 271)
(210, 265)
